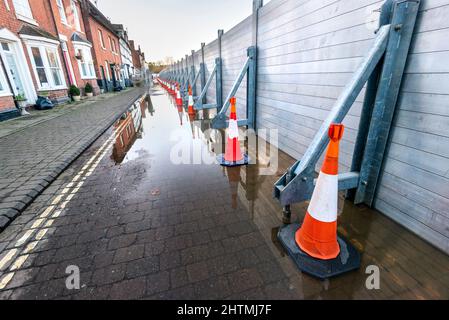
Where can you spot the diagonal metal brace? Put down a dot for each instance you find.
(297, 184)
(199, 103)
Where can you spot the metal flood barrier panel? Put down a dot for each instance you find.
(307, 52)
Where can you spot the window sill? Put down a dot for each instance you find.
(27, 19)
(66, 24)
(52, 89)
(89, 78)
(5, 94)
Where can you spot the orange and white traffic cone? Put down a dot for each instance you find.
(178, 97)
(191, 110)
(315, 246)
(318, 234)
(233, 155)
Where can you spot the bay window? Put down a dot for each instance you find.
(47, 66)
(85, 62)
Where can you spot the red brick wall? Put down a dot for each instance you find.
(42, 14)
(6, 104)
(68, 30)
(101, 55)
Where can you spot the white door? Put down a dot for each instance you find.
(11, 65)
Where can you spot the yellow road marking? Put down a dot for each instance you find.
(47, 211)
(7, 258)
(6, 279)
(18, 263)
(24, 238)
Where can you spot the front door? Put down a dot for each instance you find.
(103, 79)
(11, 64)
(114, 78)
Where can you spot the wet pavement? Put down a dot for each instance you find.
(140, 223)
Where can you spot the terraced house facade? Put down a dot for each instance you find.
(48, 45)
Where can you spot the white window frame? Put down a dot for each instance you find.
(23, 11)
(76, 16)
(101, 37)
(62, 13)
(87, 55)
(110, 43)
(43, 47)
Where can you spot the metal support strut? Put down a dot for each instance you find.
(389, 52)
(249, 69)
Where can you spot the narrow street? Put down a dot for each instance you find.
(139, 226)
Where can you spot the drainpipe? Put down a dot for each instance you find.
(9, 83)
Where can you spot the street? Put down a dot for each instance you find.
(139, 226)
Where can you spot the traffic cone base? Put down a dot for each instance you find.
(223, 162)
(233, 156)
(315, 246)
(348, 260)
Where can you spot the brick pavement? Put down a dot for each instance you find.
(32, 157)
(149, 229)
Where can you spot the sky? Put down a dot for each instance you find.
(172, 28)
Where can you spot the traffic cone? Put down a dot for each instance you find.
(233, 155)
(178, 97)
(191, 109)
(318, 234)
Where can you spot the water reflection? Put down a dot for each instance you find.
(129, 129)
(248, 191)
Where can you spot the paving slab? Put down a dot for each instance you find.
(37, 148)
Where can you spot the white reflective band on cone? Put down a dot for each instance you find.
(233, 129)
(190, 101)
(324, 204)
(178, 94)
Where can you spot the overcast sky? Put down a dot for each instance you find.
(175, 27)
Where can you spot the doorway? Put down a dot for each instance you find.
(103, 79)
(12, 67)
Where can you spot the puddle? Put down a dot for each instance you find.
(158, 135)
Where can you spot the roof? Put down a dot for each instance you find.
(36, 32)
(78, 38)
(100, 17)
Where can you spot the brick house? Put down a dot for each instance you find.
(19, 30)
(105, 45)
(140, 65)
(137, 61)
(76, 49)
(127, 68)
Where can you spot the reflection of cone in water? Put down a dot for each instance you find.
(234, 180)
(191, 109)
(192, 124)
(318, 234)
(233, 155)
(180, 113)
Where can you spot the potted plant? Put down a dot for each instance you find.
(75, 93)
(22, 103)
(89, 90)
